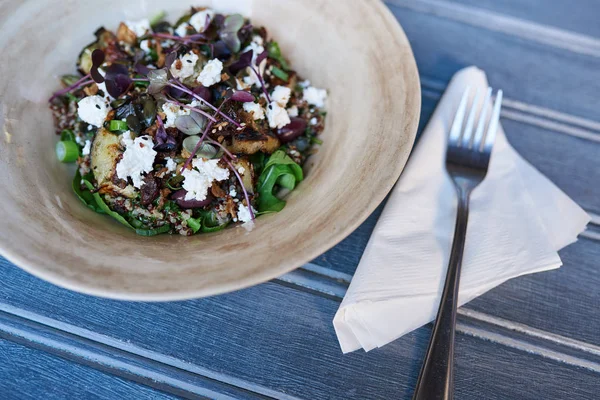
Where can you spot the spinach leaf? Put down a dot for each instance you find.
(210, 223)
(280, 157)
(275, 53)
(84, 194)
(102, 205)
(153, 232)
(280, 170)
(258, 162)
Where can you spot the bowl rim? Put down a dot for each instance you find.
(262, 276)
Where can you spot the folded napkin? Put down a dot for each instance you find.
(518, 221)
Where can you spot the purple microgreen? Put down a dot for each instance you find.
(203, 92)
(164, 142)
(261, 57)
(98, 58)
(159, 79)
(170, 59)
(262, 83)
(117, 79)
(204, 135)
(243, 97)
(175, 83)
(229, 32)
(231, 40)
(214, 142)
(244, 61)
(233, 23)
(167, 36)
(141, 69)
(117, 85)
(190, 125)
(239, 178)
(198, 110)
(80, 83)
(221, 51)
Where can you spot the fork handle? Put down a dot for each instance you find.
(436, 380)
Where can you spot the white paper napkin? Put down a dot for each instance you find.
(518, 221)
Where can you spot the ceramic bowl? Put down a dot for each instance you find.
(354, 48)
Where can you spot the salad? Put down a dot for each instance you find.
(186, 128)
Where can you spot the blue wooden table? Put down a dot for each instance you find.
(537, 337)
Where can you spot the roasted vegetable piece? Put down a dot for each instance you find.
(105, 154)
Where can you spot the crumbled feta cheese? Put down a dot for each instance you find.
(251, 79)
(171, 164)
(277, 116)
(86, 149)
(293, 111)
(172, 111)
(256, 109)
(243, 213)
(182, 29)
(241, 85)
(241, 170)
(304, 84)
(281, 95)
(313, 121)
(93, 110)
(79, 139)
(137, 160)
(145, 46)
(199, 179)
(139, 27)
(184, 66)
(232, 192)
(315, 97)
(211, 73)
(201, 19)
(258, 40)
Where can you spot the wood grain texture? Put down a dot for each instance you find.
(529, 72)
(29, 374)
(563, 14)
(291, 350)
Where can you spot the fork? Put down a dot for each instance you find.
(467, 159)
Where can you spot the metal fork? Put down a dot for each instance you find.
(467, 160)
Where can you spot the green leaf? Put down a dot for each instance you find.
(67, 135)
(153, 232)
(280, 157)
(210, 223)
(275, 52)
(158, 17)
(280, 170)
(281, 74)
(83, 194)
(194, 224)
(258, 162)
(100, 202)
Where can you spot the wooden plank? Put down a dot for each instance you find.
(272, 337)
(29, 374)
(580, 17)
(117, 362)
(564, 301)
(527, 71)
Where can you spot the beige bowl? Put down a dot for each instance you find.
(355, 48)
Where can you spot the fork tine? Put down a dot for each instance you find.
(478, 137)
(468, 131)
(490, 135)
(459, 117)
